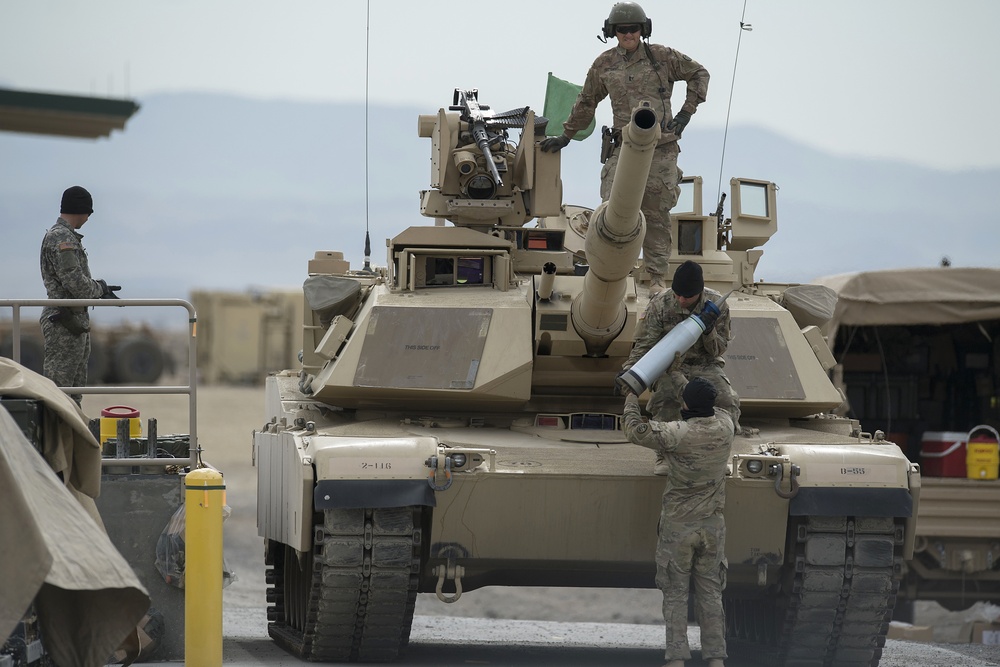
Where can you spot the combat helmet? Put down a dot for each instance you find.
(627, 12)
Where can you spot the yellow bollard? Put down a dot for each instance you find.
(204, 497)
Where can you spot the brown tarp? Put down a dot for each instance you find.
(941, 295)
(53, 547)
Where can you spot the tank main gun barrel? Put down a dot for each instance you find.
(614, 237)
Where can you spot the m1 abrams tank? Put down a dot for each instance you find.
(454, 422)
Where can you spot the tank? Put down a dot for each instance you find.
(454, 422)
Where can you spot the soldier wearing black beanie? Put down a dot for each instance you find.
(699, 398)
(688, 280)
(66, 275)
(687, 296)
(76, 200)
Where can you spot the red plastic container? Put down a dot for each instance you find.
(942, 454)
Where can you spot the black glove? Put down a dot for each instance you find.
(678, 123)
(555, 144)
(621, 388)
(108, 291)
(709, 315)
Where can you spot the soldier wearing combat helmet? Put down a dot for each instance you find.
(691, 541)
(632, 72)
(66, 275)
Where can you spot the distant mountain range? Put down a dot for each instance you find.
(214, 192)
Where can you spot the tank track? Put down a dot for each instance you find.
(350, 599)
(835, 600)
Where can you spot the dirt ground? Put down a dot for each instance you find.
(227, 417)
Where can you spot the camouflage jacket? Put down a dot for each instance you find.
(628, 81)
(697, 451)
(65, 270)
(664, 312)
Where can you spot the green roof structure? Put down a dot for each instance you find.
(63, 115)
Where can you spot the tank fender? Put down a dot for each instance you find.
(851, 480)
(354, 472)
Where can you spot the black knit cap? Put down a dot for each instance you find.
(699, 397)
(688, 280)
(76, 200)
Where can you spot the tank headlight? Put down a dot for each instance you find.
(754, 466)
(458, 460)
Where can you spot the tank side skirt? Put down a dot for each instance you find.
(352, 493)
(858, 501)
(361, 591)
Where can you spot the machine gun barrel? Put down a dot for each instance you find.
(483, 141)
(467, 101)
(614, 237)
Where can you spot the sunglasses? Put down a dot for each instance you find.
(626, 29)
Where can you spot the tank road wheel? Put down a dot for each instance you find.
(835, 600)
(351, 598)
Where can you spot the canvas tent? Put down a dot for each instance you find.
(940, 295)
(53, 547)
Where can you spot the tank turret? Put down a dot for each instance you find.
(451, 349)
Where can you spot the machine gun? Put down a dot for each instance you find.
(483, 125)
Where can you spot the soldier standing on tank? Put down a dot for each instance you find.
(691, 540)
(66, 275)
(629, 75)
(687, 295)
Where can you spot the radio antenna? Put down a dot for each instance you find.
(744, 27)
(368, 244)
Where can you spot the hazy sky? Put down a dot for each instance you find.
(914, 80)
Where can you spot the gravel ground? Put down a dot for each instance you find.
(227, 417)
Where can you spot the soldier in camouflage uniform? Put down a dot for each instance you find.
(687, 295)
(66, 275)
(629, 75)
(692, 530)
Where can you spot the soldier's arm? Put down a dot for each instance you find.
(586, 102)
(71, 275)
(652, 331)
(683, 68)
(659, 436)
(717, 340)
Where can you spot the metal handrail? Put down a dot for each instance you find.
(190, 389)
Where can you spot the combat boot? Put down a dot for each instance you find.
(675, 663)
(656, 285)
(716, 662)
(661, 467)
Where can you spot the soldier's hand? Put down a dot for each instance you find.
(621, 389)
(555, 144)
(679, 122)
(708, 317)
(108, 291)
(632, 399)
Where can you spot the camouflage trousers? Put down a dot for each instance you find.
(662, 191)
(66, 356)
(693, 552)
(665, 399)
